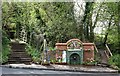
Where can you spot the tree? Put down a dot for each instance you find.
(119, 24)
(108, 29)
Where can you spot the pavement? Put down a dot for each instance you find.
(33, 72)
(72, 68)
(6, 70)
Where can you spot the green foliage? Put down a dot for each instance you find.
(115, 60)
(59, 22)
(35, 54)
(93, 62)
(56, 20)
(5, 48)
(52, 49)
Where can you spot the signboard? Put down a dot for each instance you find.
(74, 45)
(64, 57)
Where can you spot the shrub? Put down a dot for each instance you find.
(5, 48)
(35, 54)
(115, 60)
(90, 61)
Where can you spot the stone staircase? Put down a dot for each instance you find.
(18, 54)
(105, 54)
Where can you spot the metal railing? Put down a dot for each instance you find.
(95, 48)
(97, 54)
(108, 52)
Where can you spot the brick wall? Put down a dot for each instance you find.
(61, 46)
(88, 53)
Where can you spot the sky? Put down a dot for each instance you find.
(81, 10)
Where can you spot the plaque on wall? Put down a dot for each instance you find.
(74, 45)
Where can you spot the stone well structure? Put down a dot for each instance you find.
(74, 51)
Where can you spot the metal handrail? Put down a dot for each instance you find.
(106, 54)
(96, 48)
(108, 50)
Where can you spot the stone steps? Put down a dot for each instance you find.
(103, 56)
(20, 59)
(22, 55)
(17, 46)
(18, 54)
(17, 50)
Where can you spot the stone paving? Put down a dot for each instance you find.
(86, 68)
(79, 68)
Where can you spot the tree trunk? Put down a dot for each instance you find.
(87, 20)
(82, 32)
(91, 34)
(91, 38)
(92, 25)
(119, 24)
(18, 30)
(105, 39)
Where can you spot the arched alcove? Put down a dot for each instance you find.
(75, 59)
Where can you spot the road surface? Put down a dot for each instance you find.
(30, 72)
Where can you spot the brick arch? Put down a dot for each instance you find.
(73, 40)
